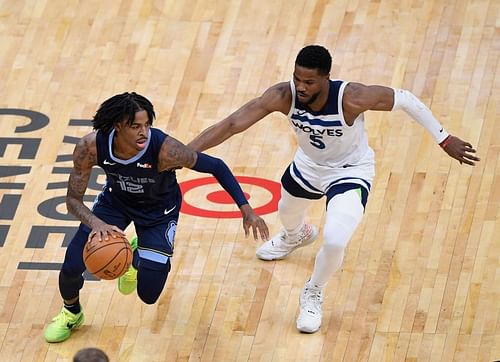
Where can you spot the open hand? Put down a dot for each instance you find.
(105, 231)
(459, 150)
(256, 223)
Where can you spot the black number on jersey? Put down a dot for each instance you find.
(317, 141)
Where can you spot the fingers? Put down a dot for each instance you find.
(247, 229)
(467, 158)
(463, 153)
(259, 227)
(264, 232)
(117, 232)
(255, 235)
(471, 157)
(105, 233)
(96, 234)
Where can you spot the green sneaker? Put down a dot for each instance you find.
(61, 326)
(133, 243)
(127, 283)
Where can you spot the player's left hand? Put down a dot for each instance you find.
(459, 150)
(256, 223)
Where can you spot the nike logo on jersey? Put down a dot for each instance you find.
(166, 212)
(441, 130)
(106, 162)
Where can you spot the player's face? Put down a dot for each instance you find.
(309, 84)
(136, 134)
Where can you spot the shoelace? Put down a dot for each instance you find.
(313, 300)
(65, 316)
(282, 238)
(304, 233)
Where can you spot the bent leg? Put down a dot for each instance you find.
(294, 202)
(344, 213)
(151, 279)
(70, 276)
(292, 211)
(152, 258)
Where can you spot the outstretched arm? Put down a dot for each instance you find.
(359, 98)
(174, 154)
(276, 98)
(84, 157)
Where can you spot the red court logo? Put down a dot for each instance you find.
(222, 197)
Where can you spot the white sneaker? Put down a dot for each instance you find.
(282, 244)
(309, 320)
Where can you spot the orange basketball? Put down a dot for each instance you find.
(107, 259)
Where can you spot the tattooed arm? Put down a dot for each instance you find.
(174, 154)
(84, 157)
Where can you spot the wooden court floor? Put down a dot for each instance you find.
(421, 277)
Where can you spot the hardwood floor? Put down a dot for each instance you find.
(420, 279)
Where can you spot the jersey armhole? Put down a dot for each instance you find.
(292, 91)
(340, 104)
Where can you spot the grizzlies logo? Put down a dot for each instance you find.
(170, 234)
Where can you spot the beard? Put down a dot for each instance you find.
(311, 99)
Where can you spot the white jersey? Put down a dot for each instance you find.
(324, 137)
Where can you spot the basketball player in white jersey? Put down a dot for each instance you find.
(333, 160)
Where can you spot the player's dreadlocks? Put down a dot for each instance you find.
(119, 108)
(315, 57)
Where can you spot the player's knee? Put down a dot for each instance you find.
(149, 294)
(333, 242)
(338, 232)
(151, 280)
(147, 297)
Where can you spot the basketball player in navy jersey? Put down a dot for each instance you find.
(141, 187)
(333, 160)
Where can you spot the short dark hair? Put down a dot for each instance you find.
(315, 57)
(90, 354)
(122, 107)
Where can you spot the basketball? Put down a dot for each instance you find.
(107, 259)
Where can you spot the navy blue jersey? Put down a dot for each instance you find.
(136, 181)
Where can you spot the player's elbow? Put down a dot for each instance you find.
(72, 203)
(233, 127)
(219, 166)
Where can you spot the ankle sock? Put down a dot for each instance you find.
(74, 308)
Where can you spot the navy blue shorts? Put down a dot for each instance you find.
(155, 227)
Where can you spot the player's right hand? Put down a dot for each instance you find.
(105, 232)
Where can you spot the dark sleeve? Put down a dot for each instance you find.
(218, 168)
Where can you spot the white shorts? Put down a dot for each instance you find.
(319, 179)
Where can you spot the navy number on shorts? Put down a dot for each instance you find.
(317, 141)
